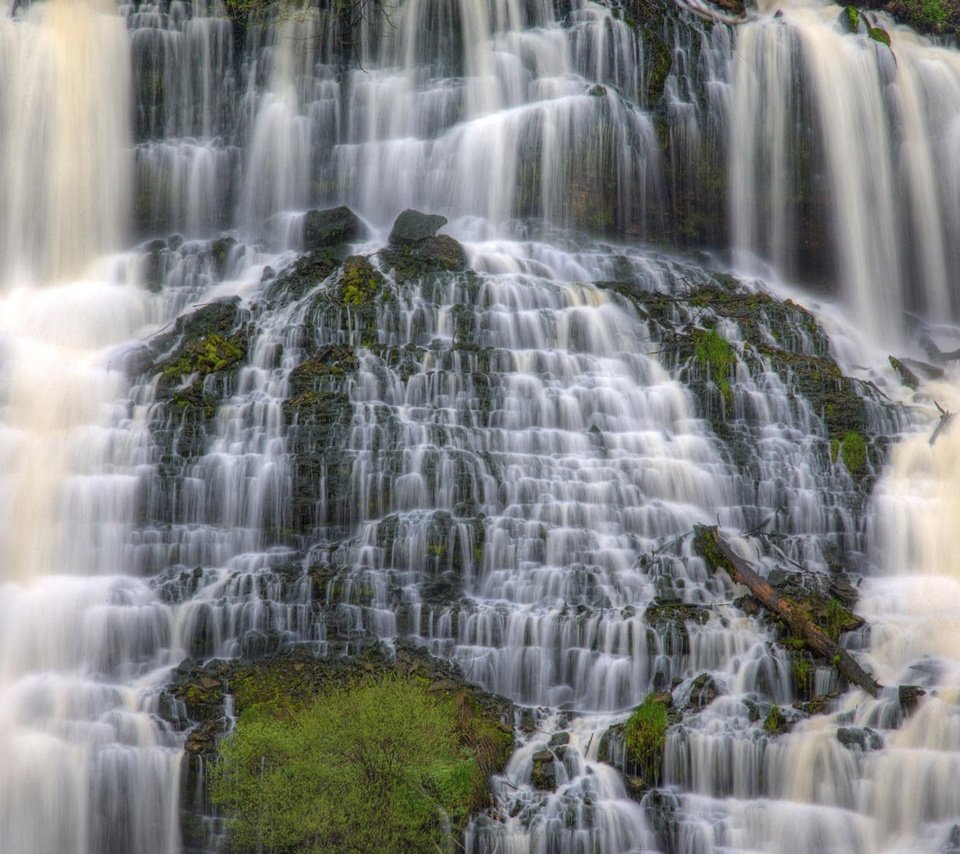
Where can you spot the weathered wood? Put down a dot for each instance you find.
(945, 419)
(934, 353)
(719, 555)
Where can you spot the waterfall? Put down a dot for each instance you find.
(208, 452)
(79, 640)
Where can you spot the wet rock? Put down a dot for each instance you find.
(952, 845)
(331, 227)
(413, 226)
(544, 774)
(302, 277)
(909, 697)
(702, 692)
(669, 620)
(220, 251)
(860, 738)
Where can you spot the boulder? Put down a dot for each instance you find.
(331, 227)
(413, 226)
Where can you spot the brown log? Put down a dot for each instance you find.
(717, 552)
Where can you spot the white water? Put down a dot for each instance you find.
(563, 427)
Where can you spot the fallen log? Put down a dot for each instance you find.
(717, 552)
(945, 419)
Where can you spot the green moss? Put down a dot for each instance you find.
(715, 354)
(879, 35)
(774, 722)
(208, 354)
(852, 18)
(387, 765)
(853, 451)
(360, 282)
(802, 670)
(836, 618)
(645, 735)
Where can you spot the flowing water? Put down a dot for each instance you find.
(512, 463)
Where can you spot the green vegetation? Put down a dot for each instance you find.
(852, 450)
(360, 282)
(645, 736)
(879, 35)
(206, 355)
(774, 723)
(385, 766)
(836, 618)
(853, 18)
(802, 670)
(715, 354)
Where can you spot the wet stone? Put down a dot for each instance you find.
(544, 774)
(413, 226)
(328, 228)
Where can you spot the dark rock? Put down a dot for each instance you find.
(909, 696)
(952, 845)
(860, 738)
(413, 226)
(559, 739)
(544, 774)
(703, 691)
(329, 228)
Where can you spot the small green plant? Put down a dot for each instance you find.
(802, 670)
(715, 354)
(385, 766)
(645, 735)
(774, 722)
(360, 282)
(206, 355)
(836, 617)
(853, 451)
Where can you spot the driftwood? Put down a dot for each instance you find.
(945, 419)
(934, 353)
(719, 555)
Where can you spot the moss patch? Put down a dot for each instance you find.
(383, 765)
(715, 354)
(360, 282)
(645, 736)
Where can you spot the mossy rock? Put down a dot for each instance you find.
(360, 282)
(303, 276)
(775, 723)
(669, 620)
(432, 255)
(849, 19)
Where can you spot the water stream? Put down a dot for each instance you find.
(519, 459)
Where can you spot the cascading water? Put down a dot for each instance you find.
(79, 639)
(504, 463)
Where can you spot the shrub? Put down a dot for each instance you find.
(377, 767)
(646, 735)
